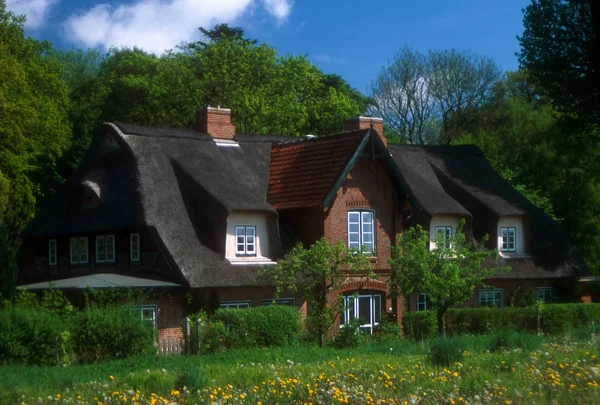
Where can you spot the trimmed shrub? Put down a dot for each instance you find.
(110, 333)
(419, 325)
(33, 336)
(273, 325)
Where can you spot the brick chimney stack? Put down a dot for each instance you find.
(215, 122)
(354, 123)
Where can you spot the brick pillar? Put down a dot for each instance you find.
(352, 124)
(215, 122)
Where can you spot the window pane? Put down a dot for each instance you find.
(135, 246)
(100, 249)
(377, 307)
(353, 217)
(364, 310)
(110, 248)
(83, 250)
(354, 238)
(74, 250)
(353, 227)
(250, 230)
(367, 238)
(239, 230)
(367, 227)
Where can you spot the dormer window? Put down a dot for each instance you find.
(443, 236)
(361, 230)
(509, 239)
(245, 238)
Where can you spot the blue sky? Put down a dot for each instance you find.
(351, 38)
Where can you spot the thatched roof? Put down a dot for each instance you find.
(183, 186)
(460, 178)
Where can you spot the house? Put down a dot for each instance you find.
(196, 213)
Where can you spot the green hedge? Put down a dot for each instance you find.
(34, 337)
(108, 333)
(273, 325)
(554, 319)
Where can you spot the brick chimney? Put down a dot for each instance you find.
(352, 124)
(215, 122)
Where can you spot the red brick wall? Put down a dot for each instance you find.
(216, 122)
(170, 315)
(509, 286)
(369, 186)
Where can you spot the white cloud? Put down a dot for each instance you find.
(326, 58)
(34, 10)
(157, 25)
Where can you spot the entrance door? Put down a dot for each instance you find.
(366, 308)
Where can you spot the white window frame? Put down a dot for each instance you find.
(447, 231)
(105, 244)
(245, 248)
(486, 292)
(422, 303)
(543, 292)
(352, 310)
(360, 222)
(76, 246)
(507, 243)
(52, 252)
(235, 304)
(280, 301)
(143, 309)
(134, 254)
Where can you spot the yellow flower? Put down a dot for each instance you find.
(111, 377)
(58, 396)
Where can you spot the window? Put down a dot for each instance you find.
(443, 235)
(546, 294)
(366, 308)
(422, 303)
(361, 231)
(235, 304)
(491, 298)
(79, 250)
(147, 313)
(134, 247)
(105, 249)
(280, 301)
(245, 241)
(509, 239)
(52, 252)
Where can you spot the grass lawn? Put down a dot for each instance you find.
(501, 369)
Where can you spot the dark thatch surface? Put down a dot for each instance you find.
(423, 182)
(468, 178)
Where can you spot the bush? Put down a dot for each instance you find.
(33, 336)
(444, 352)
(110, 333)
(350, 335)
(273, 325)
(420, 325)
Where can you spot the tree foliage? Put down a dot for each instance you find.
(34, 127)
(560, 49)
(430, 98)
(447, 274)
(318, 273)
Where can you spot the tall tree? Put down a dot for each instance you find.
(448, 274)
(560, 50)
(460, 82)
(318, 273)
(34, 128)
(402, 97)
(431, 98)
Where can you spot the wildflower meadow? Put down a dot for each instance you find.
(520, 369)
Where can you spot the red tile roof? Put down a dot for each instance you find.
(302, 173)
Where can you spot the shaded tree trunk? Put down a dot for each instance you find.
(441, 321)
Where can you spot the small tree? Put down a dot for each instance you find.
(448, 274)
(317, 272)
